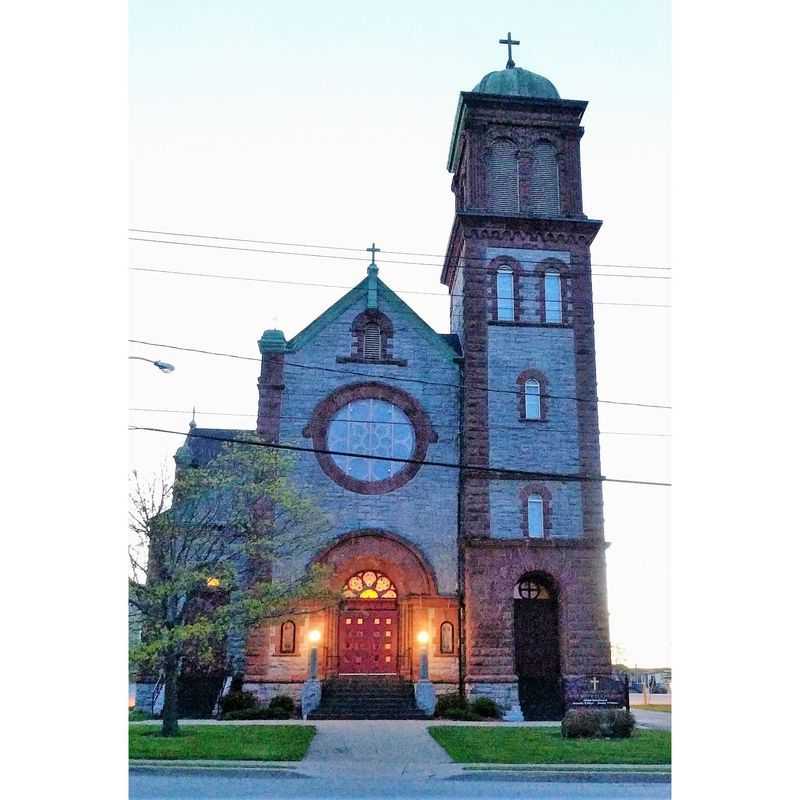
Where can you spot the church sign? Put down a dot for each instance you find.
(595, 691)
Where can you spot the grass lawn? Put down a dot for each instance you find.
(501, 745)
(240, 742)
(653, 707)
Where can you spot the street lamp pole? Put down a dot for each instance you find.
(162, 365)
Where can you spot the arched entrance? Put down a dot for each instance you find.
(368, 625)
(388, 592)
(536, 647)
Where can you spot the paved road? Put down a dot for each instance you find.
(194, 785)
(657, 720)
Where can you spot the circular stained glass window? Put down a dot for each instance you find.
(370, 427)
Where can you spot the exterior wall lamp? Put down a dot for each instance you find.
(423, 637)
(313, 637)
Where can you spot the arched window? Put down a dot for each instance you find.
(287, 637)
(446, 638)
(545, 195)
(372, 342)
(503, 177)
(533, 400)
(535, 516)
(552, 297)
(505, 294)
(369, 585)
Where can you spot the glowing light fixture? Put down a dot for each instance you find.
(314, 636)
(212, 583)
(423, 637)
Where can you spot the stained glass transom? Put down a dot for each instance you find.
(371, 428)
(370, 585)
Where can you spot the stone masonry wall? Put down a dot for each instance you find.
(492, 570)
(424, 510)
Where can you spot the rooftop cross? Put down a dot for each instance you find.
(373, 250)
(509, 42)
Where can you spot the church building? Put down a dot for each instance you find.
(482, 547)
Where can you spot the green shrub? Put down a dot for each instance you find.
(238, 701)
(451, 700)
(280, 703)
(260, 712)
(137, 715)
(463, 715)
(623, 724)
(485, 707)
(597, 722)
(275, 710)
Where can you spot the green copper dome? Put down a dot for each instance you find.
(517, 82)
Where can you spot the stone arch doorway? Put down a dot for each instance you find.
(386, 586)
(368, 625)
(536, 647)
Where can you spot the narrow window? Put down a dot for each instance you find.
(505, 295)
(503, 177)
(446, 638)
(545, 194)
(552, 297)
(372, 342)
(287, 637)
(533, 401)
(535, 517)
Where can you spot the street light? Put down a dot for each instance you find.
(162, 365)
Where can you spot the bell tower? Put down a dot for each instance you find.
(518, 273)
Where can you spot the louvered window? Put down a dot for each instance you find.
(372, 342)
(505, 295)
(503, 177)
(552, 297)
(535, 517)
(545, 198)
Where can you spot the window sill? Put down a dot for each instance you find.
(395, 362)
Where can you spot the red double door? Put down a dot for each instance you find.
(368, 638)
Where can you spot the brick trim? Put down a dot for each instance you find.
(270, 396)
(492, 269)
(547, 517)
(372, 317)
(321, 417)
(525, 376)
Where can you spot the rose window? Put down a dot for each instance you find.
(369, 585)
(370, 427)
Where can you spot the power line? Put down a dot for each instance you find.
(394, 377)
(517, 473)
(383, 261)
(294, 418)
(445, 295)
(353, 249)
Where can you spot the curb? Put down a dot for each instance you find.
(573, 773)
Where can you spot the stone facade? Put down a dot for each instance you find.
(454, 542)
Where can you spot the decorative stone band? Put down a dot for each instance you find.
(317, 431)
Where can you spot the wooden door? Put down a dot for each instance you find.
(538, 660)
(368, 639)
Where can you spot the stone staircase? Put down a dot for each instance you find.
(367, 697)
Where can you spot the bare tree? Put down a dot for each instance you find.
(201, 554)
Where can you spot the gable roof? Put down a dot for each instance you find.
(447, 344)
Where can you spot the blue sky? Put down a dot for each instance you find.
(329, 123)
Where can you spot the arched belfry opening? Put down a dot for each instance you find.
(537, 653)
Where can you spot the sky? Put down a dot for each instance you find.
(329, 124)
